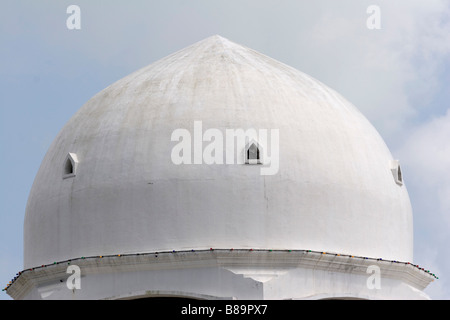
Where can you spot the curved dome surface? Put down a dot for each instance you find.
(334, 190)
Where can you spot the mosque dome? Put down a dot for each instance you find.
(218, 173)
(109, 183)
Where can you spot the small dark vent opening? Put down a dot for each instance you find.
(253, 153)
(68, 167)
(399, 174)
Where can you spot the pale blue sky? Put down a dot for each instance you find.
(397, 76)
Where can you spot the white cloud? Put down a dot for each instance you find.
(391, 74)
(427, 155)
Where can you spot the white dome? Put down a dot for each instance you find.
(121, 193)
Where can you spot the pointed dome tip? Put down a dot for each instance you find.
(217, 37)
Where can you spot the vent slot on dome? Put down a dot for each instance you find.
(253, 153)
(70, 166)
(397, 172)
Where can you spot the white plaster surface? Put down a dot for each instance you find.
(334, 190)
